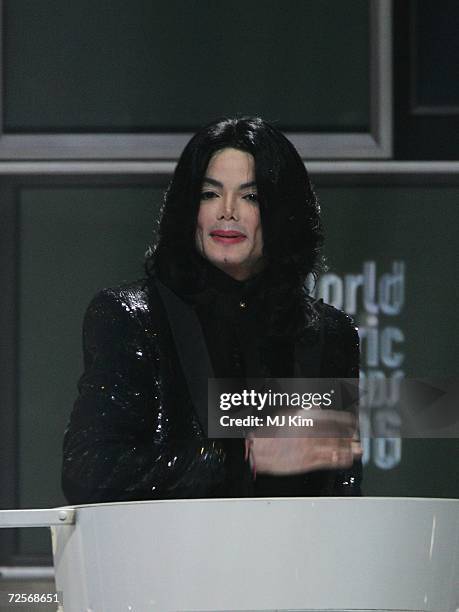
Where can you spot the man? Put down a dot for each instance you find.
(224, 296)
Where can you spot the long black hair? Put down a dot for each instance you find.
(289, 210)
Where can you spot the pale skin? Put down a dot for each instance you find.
(229, 203)
(229, 234)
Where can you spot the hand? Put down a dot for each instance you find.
(283, 454)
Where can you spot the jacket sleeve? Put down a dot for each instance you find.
(344, 359)
(120, 443)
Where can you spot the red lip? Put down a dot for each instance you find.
(227, 234)
(227, 237)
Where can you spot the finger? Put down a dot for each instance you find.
(339, 444)
(341, 453)
(334, 423)
(351, 450)
(335, 444)
(348, 457)
(333, 457)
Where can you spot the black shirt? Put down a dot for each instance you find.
(232, 316)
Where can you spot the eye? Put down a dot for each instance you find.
(208, 195)
(252, 197)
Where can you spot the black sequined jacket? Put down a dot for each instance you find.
(134, 432)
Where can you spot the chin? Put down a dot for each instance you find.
(227, 264)
(225, 258)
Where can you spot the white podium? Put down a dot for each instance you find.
(280, 554)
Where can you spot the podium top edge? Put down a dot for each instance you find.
(262, 500)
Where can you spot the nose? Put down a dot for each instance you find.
(228, 209)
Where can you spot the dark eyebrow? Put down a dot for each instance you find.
(212, 181)
(249, 184)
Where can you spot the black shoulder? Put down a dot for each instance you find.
(133, 297)
(117, 313)
(341, 343)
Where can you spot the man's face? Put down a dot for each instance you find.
(228, 229)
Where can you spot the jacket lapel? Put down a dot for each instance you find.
(191, 349)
